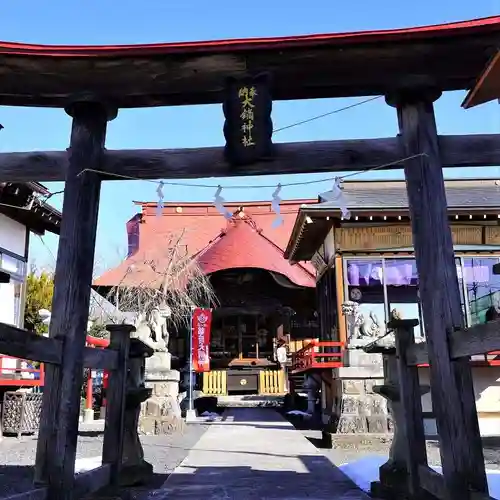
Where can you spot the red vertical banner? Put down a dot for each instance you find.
(202, 319)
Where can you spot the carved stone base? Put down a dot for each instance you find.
(361, 410)
(357, 357)
(161, 414)
(159, 417)
(158, 362)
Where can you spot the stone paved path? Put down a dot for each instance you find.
(256, 454)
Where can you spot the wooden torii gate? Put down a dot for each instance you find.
(410, 67)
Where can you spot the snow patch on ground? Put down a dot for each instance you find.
(210, 416)
(86, 464)
(366, 470)
(299, 413)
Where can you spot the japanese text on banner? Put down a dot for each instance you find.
(202, 319)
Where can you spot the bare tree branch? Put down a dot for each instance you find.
(168, 276)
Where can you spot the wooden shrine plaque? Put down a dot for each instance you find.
(248, 126)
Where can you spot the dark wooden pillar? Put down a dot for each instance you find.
(57, 440)
(452, 388)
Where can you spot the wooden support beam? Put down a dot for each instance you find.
(115, 396)
(433, 483)
(451, 381)
(56, 450)
(409, 388)
(289, 158)
(36, 494)
(22, 344)
(478, 339)
(28, 345)
(92, 481)
(417, 354)
(100, 359)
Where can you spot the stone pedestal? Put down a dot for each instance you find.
(88, 415)
(361, 409)
(356, 356)
(161, 413)
(158, 362)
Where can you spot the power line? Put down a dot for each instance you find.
(246, 186)
(308, 120)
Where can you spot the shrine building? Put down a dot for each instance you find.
(365, 265)
(262, 300)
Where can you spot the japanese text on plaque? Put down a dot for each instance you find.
(247, 95)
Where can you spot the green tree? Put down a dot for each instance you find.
(39, 293)
(99, 331)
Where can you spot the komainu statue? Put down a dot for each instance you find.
(152, 329)
(359, 327)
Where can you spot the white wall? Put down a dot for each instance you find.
(487, 392)
(12, 236)
(12, 239)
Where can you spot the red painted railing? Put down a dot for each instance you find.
(492, 358)
(97, 342)
(313, 356)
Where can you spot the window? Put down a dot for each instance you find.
(11, 294)
(13, 265)
(401, 279)
(481, 287)
(389, 287)
(366, 287)
(11, 302)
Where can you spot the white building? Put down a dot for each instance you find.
(22, 211)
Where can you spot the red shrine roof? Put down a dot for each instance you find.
(373, 36)
(246, 241)
(449, 56)
(487, 87)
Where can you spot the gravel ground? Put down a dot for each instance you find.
(17, 457)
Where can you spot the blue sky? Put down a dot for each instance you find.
(111, 22)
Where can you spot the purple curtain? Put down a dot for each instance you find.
(476, 270)
(364, 272)
(369, 273)
(399, 272)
